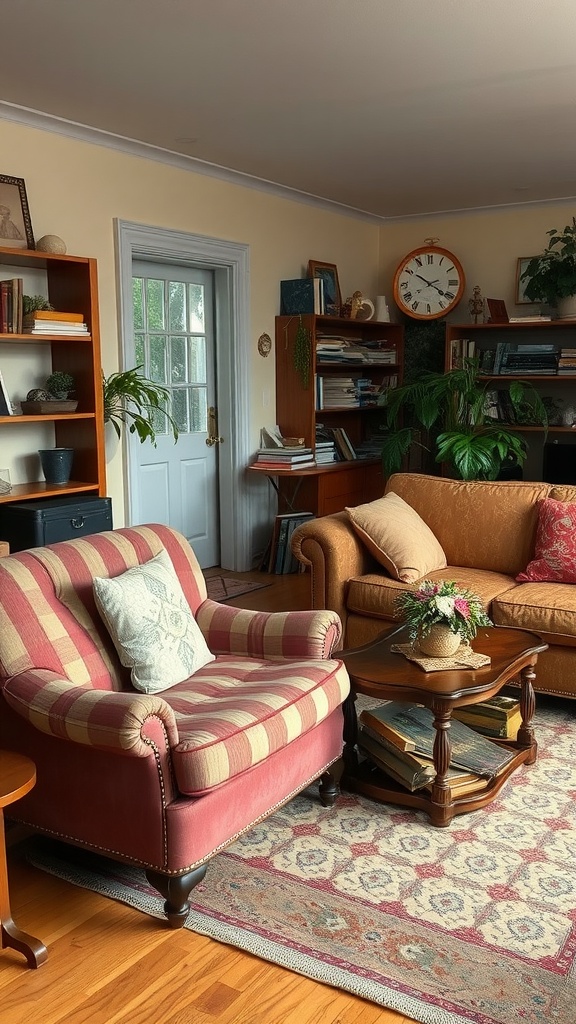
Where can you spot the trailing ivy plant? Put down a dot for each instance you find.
(133, 401)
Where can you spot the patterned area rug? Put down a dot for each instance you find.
(222, 588)
(472, 923)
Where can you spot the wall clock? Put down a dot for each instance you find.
(429, 282)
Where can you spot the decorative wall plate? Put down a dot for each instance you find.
(264, 345)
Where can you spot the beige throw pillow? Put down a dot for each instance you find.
(151, 624)
(397, 537)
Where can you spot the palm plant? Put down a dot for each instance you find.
(132, 400)
(465, 436)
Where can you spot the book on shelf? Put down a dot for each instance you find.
(500, 717)
(55, 314)
(344, 444)
(411, 770)
(536, 318)
(301, 295)
(11, 305)
(53, 327)
(280, 558)
(411, 727)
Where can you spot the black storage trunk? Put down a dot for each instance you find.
(34, 523)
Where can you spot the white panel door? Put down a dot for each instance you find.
(177, 484)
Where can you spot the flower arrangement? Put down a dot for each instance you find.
(445, 603)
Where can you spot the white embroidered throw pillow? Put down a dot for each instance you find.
(151, 624)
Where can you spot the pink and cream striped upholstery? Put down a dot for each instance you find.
(272, 680)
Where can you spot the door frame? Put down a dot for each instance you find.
(230, 263)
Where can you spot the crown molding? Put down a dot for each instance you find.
(95, 136)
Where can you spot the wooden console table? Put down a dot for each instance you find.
(17, 777)
(325, 489)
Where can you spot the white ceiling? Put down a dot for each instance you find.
(392, 107)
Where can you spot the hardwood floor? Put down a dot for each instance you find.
(109, 964)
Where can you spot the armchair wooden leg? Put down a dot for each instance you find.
(176, 890)
(329, 783)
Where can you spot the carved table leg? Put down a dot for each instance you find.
(350, 733)
(441, 811)
(526, 737)
(33, 949)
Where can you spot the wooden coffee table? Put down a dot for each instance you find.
(378, 672)
(17, 777)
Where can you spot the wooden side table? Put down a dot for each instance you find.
(17, 777)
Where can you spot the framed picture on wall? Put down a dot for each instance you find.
(15, 223)
(521, 265)
(328, 274)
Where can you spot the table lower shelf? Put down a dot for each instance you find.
(441, 805)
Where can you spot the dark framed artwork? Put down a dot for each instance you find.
(328, 273)
(15, 224)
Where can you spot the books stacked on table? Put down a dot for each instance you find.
(285, 458)
(499, 717)
(52, 321)
(400, 737)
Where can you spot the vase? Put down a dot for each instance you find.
(56, 464)
(566, 308)
(439, 642)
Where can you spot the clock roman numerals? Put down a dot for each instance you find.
(428, 283)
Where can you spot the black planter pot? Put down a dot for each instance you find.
(56, 464)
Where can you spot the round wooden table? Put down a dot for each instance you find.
(17, 777)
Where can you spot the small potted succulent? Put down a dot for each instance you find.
(440, 616)
(53, 397)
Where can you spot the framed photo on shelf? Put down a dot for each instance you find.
(521, 265)
(328, 274)
(498, 311)
(15, 224)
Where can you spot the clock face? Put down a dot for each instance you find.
(429, 283)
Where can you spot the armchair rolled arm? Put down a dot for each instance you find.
(270, 635)
(335, 553)
(125, 723)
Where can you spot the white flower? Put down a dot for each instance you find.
(445, 606)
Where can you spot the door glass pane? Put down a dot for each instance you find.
(196, 302)
(198, 410)
(155, 305)
(139, 350)
(176, 306)
(138, 302)
(158, 368)
(180, 409)
(159, 421)
(178, 361)
(198, 360)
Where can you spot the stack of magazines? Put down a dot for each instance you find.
(399, 739)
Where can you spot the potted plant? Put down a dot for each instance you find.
(551, 276)
(53, 398)
(59, 384)
(132, 400)
(441, 616)
(452, 409)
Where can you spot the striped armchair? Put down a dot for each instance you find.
(161, 780)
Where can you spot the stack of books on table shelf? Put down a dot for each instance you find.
(280, 558)
(52, 321)
(404, 733)
(500, 717)
(325, 452)
(285, 458)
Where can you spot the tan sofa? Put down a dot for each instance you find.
(487, 531)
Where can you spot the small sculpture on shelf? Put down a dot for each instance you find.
(476, 305)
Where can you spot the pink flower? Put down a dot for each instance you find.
(462, 607)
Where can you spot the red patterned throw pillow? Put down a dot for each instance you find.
(555, 553)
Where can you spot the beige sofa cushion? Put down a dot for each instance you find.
(542, 607)
(397, 537)
(374, 594)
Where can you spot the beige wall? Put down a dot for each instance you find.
(487, 244)
(76, 189)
